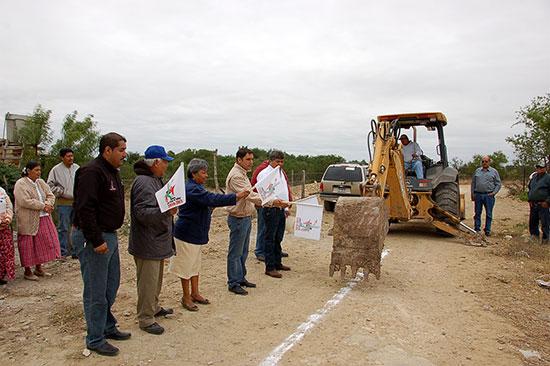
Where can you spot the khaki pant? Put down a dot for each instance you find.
(149, 283)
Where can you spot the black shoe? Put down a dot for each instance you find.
(238, 290)
(283, 254)
(74, 256)
(154, 328)
(487, 233)
(164, 312)
(261, 258)
(106, 349)
(2, 282)
(117, 335)
(245, 283)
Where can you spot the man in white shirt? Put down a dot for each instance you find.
(412, 156)
(61, 182)
(274, 219)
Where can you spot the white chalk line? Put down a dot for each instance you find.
(278, 353)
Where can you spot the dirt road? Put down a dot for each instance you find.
(438, 302)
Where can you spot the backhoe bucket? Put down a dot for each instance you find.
(360, 228)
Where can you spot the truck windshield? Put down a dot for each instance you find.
(344, 174)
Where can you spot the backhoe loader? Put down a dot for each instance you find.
(394, 194)
(435, 199)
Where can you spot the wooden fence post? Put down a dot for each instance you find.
(303, 183)
(216, 171)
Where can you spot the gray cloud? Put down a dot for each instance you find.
(304, 76)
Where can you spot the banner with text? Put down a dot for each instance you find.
(173, 193)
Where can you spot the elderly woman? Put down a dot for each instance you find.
(7, 265)
(37, 238)
(191, 230)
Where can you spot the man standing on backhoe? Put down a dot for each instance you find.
(485, 185)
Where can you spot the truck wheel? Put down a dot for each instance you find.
(329, 206)
(447, 196)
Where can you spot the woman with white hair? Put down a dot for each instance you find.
(191, 230)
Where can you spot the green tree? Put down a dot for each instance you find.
(467, 170)
(9, 174)
(35, 134)
(534, 143)
(81, 136)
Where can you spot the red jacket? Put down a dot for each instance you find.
(261, 167)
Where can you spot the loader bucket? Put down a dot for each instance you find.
(360, 228)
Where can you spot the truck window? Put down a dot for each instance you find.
(344, 174)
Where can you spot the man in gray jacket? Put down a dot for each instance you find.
(151, 236)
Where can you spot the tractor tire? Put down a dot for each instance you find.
(447, 196)
(329, 206)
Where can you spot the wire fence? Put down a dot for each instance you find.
(295, 178)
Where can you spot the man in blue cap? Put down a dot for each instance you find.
(151, 236)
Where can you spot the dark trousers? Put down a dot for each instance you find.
(274, 221)
(259, 245)
(539, 215)
(483, 200)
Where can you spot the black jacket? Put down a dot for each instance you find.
(98, 200)
(151, 231)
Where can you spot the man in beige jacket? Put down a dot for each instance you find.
(240, 222)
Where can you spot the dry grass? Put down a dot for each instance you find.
(69, 317)
(535, 257)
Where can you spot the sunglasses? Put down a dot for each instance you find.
(484, 161)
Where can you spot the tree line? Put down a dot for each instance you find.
(82, 135)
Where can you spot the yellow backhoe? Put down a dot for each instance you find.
(436, 199)
(392, 194)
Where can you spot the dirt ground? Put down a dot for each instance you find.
(438, 302)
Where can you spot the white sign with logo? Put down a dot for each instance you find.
(173, 193)
(309, 218)
(271, 186)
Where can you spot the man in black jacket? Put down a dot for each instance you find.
(98, 213)
(151, 236)
(539, 200)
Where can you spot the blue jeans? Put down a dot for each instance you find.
(417, 166)
(101, 277)
(483, 200)
(274, 221)
(539, 215)
(260, 250)
(239, 240)
(65, 221)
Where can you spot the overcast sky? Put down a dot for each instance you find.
(303, 76)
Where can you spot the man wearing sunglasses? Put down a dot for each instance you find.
(485, 185)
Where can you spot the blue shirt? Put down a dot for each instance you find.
(194, 215)
(486, 181)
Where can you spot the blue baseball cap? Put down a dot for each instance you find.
(157, 152)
